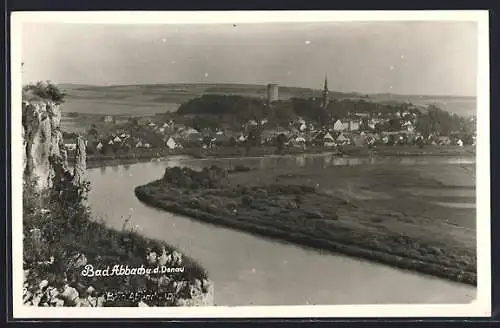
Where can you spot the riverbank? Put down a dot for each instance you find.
(95, 161)
(73, 259)
(315, 209)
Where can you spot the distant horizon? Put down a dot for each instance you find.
(264, 85)
(395, 57)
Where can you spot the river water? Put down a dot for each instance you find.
(251, 270)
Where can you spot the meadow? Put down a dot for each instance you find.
(401, 215)
(161, 98)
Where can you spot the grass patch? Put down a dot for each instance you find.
(301, 213)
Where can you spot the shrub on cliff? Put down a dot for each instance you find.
(43, 90)
(60, 238)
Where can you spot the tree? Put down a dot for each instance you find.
(394, 124)
(93, 132)
(280, 142)
(44, 90)
(254, 137)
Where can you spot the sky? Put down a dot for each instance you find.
(425, 58)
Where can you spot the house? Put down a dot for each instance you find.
(280, 130)
(268, 135)
(343, 140)
(401, 139)
(372, 124)
(360, 140)
(189, 131)
(108, 119)
(117, 139)
(408, 125)
(70, 146)
(99, 146)
(460, 143)
(443, 140)
(139, 144)
(190, 134)
(294, 130)
(298, 141)
(120, 120)
(354, 125)
(111, 142)
(328, 140)
(339, 126)
(147, 145)
(171, 144)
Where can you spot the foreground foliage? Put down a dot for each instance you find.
(61, 237)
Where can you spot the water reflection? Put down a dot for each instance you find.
(303, 160)
(300, 161)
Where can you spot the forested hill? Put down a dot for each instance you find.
(160, 98)
(214, 111)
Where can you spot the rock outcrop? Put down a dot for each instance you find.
(43, 142)
(45, 154)
(55, 281)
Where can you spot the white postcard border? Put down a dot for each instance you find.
(480, 307)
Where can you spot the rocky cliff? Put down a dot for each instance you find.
(49, 281)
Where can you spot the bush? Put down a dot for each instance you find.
(60, 236)
(43, 90)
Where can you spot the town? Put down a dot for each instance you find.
(299, 124)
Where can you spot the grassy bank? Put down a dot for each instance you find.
(61, 239)
(338, 209)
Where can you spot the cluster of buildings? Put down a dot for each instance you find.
(359, 128)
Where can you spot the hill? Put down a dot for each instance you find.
(159, 98)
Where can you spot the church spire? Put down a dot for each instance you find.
(325, 99)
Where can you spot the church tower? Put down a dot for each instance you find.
(326, 99)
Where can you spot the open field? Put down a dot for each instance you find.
(391, 214)
(161, 98)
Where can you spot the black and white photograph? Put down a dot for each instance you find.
(250, 164)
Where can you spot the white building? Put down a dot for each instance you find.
(354, 125)
(339, 126)
(341, 139)
(171, 144)
(328, 140)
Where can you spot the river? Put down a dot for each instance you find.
(251, 270)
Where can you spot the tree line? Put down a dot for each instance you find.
(214, 111)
